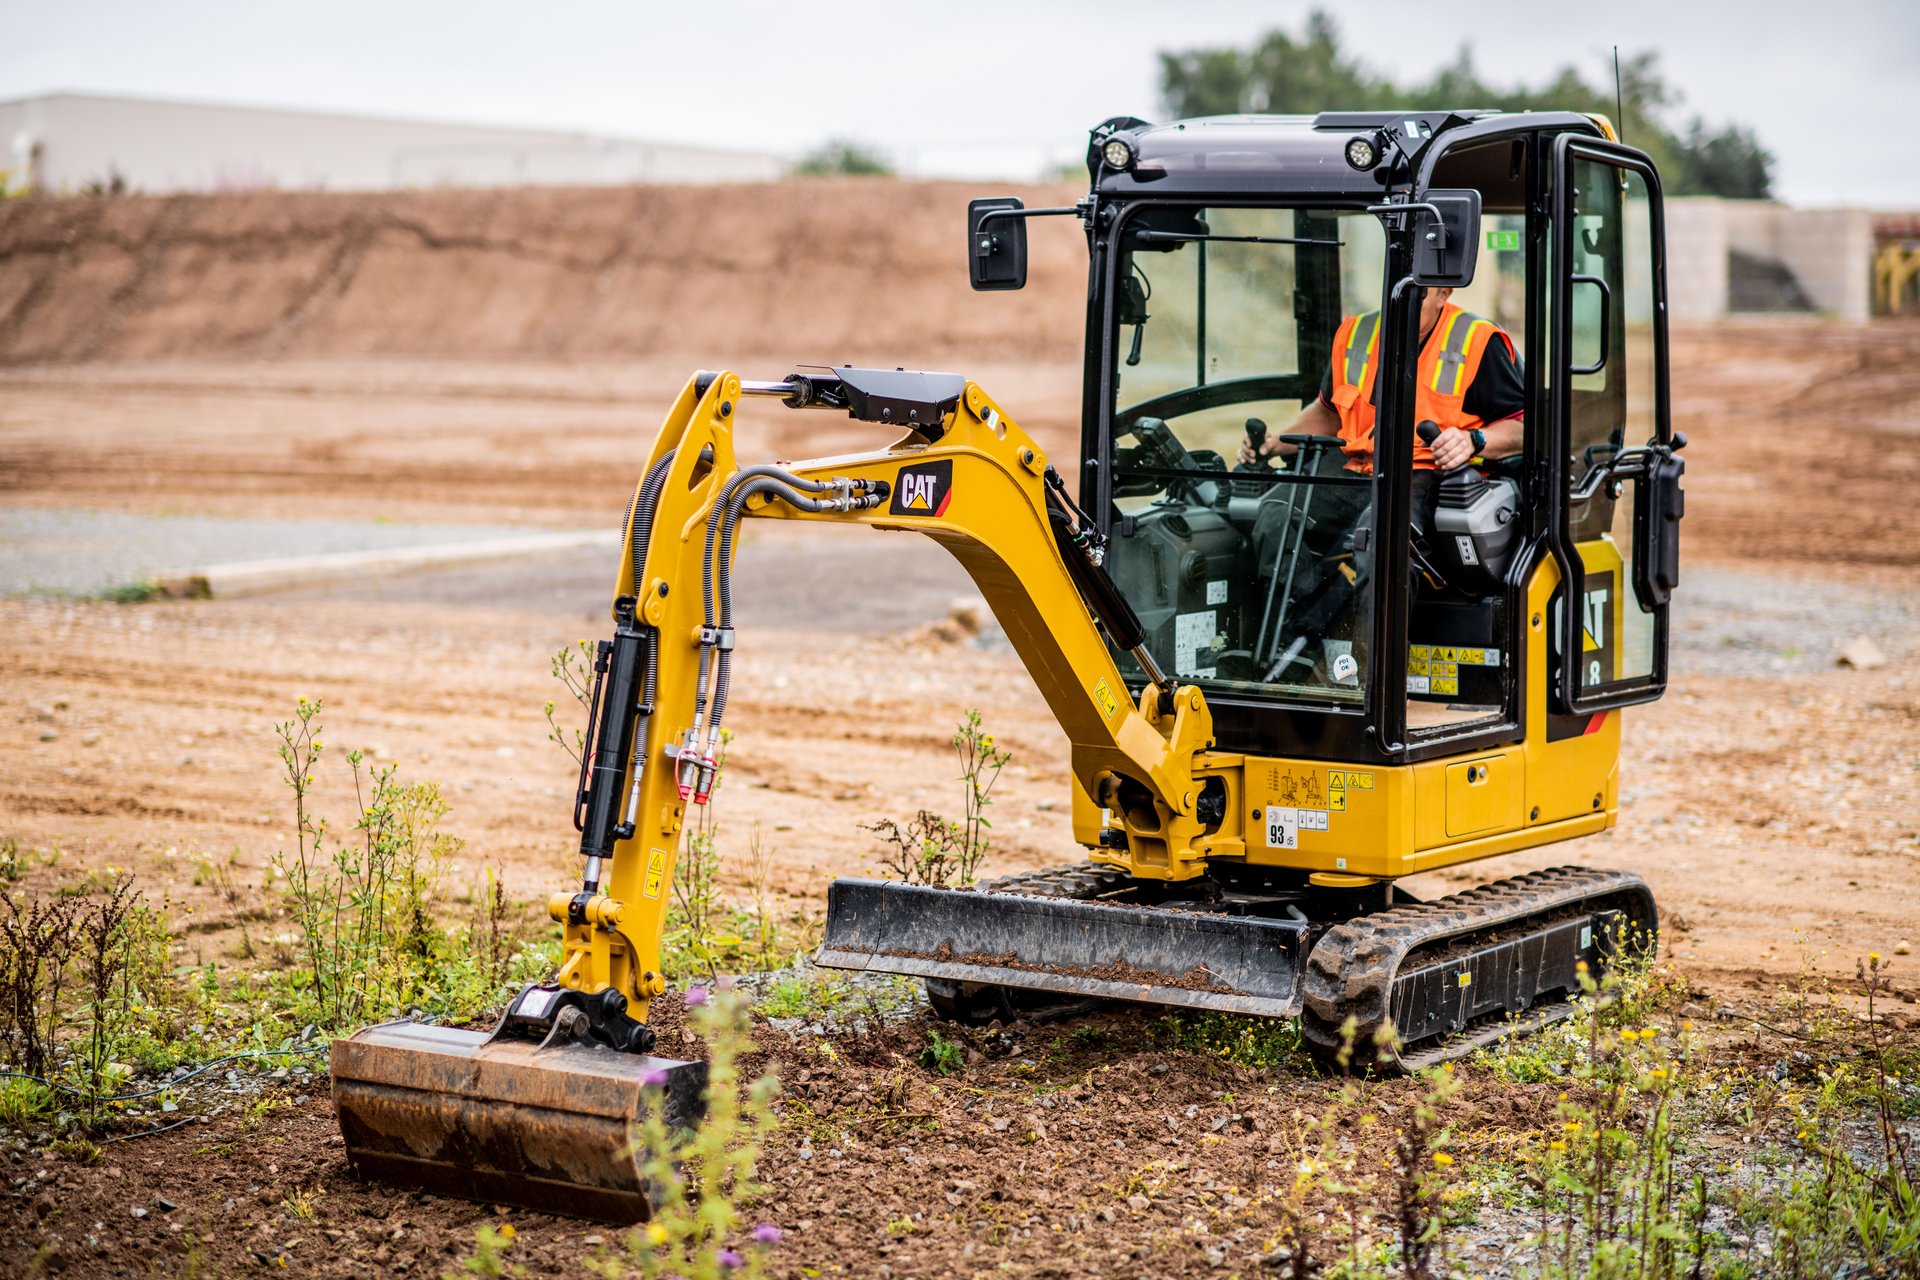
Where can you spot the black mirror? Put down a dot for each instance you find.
(996, 244)
(1446, 239)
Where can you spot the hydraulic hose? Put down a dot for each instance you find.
(700, 749)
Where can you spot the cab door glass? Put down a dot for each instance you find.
(1612, 302)
(1249, 579)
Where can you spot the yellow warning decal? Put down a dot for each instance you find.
(1336, 792)
(1109, 704)
(1419, 656)
(1351, 779)
(656, 872)
(1466, 978)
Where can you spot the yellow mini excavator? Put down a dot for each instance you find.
(1286, 686)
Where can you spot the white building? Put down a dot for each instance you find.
(65, 141)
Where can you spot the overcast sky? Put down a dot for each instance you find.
(1832, 87)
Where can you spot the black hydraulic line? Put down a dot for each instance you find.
(724, 557)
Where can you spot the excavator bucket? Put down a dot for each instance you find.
(1101, 949)
(507, 1122)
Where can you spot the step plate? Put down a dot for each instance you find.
(1154, 955)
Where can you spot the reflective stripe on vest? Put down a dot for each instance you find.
(1455, 341)
(1360, 345)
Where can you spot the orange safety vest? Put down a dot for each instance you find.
(1448, 364)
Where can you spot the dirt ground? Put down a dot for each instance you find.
(1768, 798)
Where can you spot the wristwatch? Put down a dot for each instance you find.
(1479, 439)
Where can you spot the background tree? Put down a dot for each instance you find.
(1289, 75)
(845, 157)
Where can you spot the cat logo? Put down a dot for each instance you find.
(1595, 638)
(923, 489)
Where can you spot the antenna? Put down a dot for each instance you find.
(1619, 111)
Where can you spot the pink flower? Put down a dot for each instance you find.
(696, 996)
(656, 1078)
(767, 1233)
(727, 1257)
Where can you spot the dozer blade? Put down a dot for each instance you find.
(505, 1121)
(1152, 954)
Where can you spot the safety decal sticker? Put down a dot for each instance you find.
(1338, 783)
(1435, 668)
(1283, 828)
(1341, 664)
(1300, 789)
(1311, 819)
(1418, 654)
(1193, 642)
(1503, 241)
(923, 489)
(1216, 592)
(656, 872)
(1103, 696)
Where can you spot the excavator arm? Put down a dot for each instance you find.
(965, 475)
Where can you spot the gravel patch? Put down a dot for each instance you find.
(1732, 623)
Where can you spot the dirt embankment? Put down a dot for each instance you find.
(794, 268)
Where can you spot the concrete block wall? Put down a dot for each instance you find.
(1829, 252)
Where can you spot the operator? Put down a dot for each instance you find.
(1470, 387)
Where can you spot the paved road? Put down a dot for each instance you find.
(85, 553)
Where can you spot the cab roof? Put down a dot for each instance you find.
(1297, 154)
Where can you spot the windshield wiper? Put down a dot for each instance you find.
(1167, 237)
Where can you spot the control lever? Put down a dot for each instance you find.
(1429, 431)
(1256, 440)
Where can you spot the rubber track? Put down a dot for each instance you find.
(1070, 880)
(1351, 970)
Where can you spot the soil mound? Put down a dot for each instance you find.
(524, 272)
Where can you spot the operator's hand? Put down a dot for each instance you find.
(1269, 447)
(1451, 448)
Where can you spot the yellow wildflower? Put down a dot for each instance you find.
(1557, 1145)
(506, 1230)
(1442, 1159)
(656, 1234)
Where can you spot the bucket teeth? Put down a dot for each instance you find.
(507, 1122)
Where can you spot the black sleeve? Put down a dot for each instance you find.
(1497, 391)
(1326, 383)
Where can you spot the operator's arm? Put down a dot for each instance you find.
(1454, 447)
(1498, 398)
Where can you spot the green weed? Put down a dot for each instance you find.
(1248, 1041)
(490, 1247)
(941, 1055)
(704, 1178)
(929, 849)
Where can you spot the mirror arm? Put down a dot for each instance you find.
(991, 214)
(1404, 209)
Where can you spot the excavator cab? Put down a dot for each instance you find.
(1284, 688)
(1279, 591)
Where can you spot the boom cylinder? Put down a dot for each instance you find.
(614, 725)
